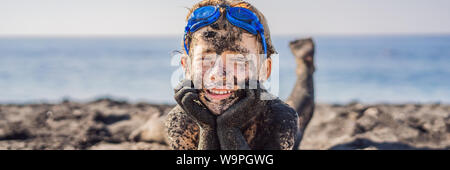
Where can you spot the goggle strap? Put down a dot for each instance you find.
(184, 40)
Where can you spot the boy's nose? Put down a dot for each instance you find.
(218, 74)
(218, 71)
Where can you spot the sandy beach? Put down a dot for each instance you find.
(109, 124)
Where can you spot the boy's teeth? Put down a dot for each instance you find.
(219, 92)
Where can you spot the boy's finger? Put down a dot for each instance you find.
(183, 84)
(181, 93)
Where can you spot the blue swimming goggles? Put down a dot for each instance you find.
(238, 16)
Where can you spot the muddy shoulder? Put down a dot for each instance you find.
(109, 124)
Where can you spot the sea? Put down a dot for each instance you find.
(357, 68)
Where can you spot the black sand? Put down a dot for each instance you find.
(107, 124)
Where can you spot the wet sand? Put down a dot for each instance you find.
(108, 124)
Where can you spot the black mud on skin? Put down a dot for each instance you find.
(209, 34)
(188, 99)
(215, 26)
(275, 128)
(302, 95)
(228, 41)
(182, 131)
(222, 105)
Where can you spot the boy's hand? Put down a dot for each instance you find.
(234, 118)
(187, 97)
(243, 111)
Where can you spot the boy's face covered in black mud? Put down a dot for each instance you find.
(223, 59)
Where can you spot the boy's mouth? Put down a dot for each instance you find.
(217, 100)
(219, 94)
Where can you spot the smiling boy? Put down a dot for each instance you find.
(221, 103)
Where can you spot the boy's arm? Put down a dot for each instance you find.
(182, 131)
(188, 101)
(208, 139)
(232, 120)
(185, 134)
(283, 127)
(231, 138)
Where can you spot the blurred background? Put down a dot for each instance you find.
(369, 51)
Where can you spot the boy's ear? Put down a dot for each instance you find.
(183, 61)
(266, 70)
(185, 65)
(268, 64)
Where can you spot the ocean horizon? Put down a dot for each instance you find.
(364, 68)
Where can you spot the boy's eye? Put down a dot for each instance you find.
(207, 58)
(241, 60)
(237, 58)
(201, 59)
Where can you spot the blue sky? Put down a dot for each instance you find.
(166, 17)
